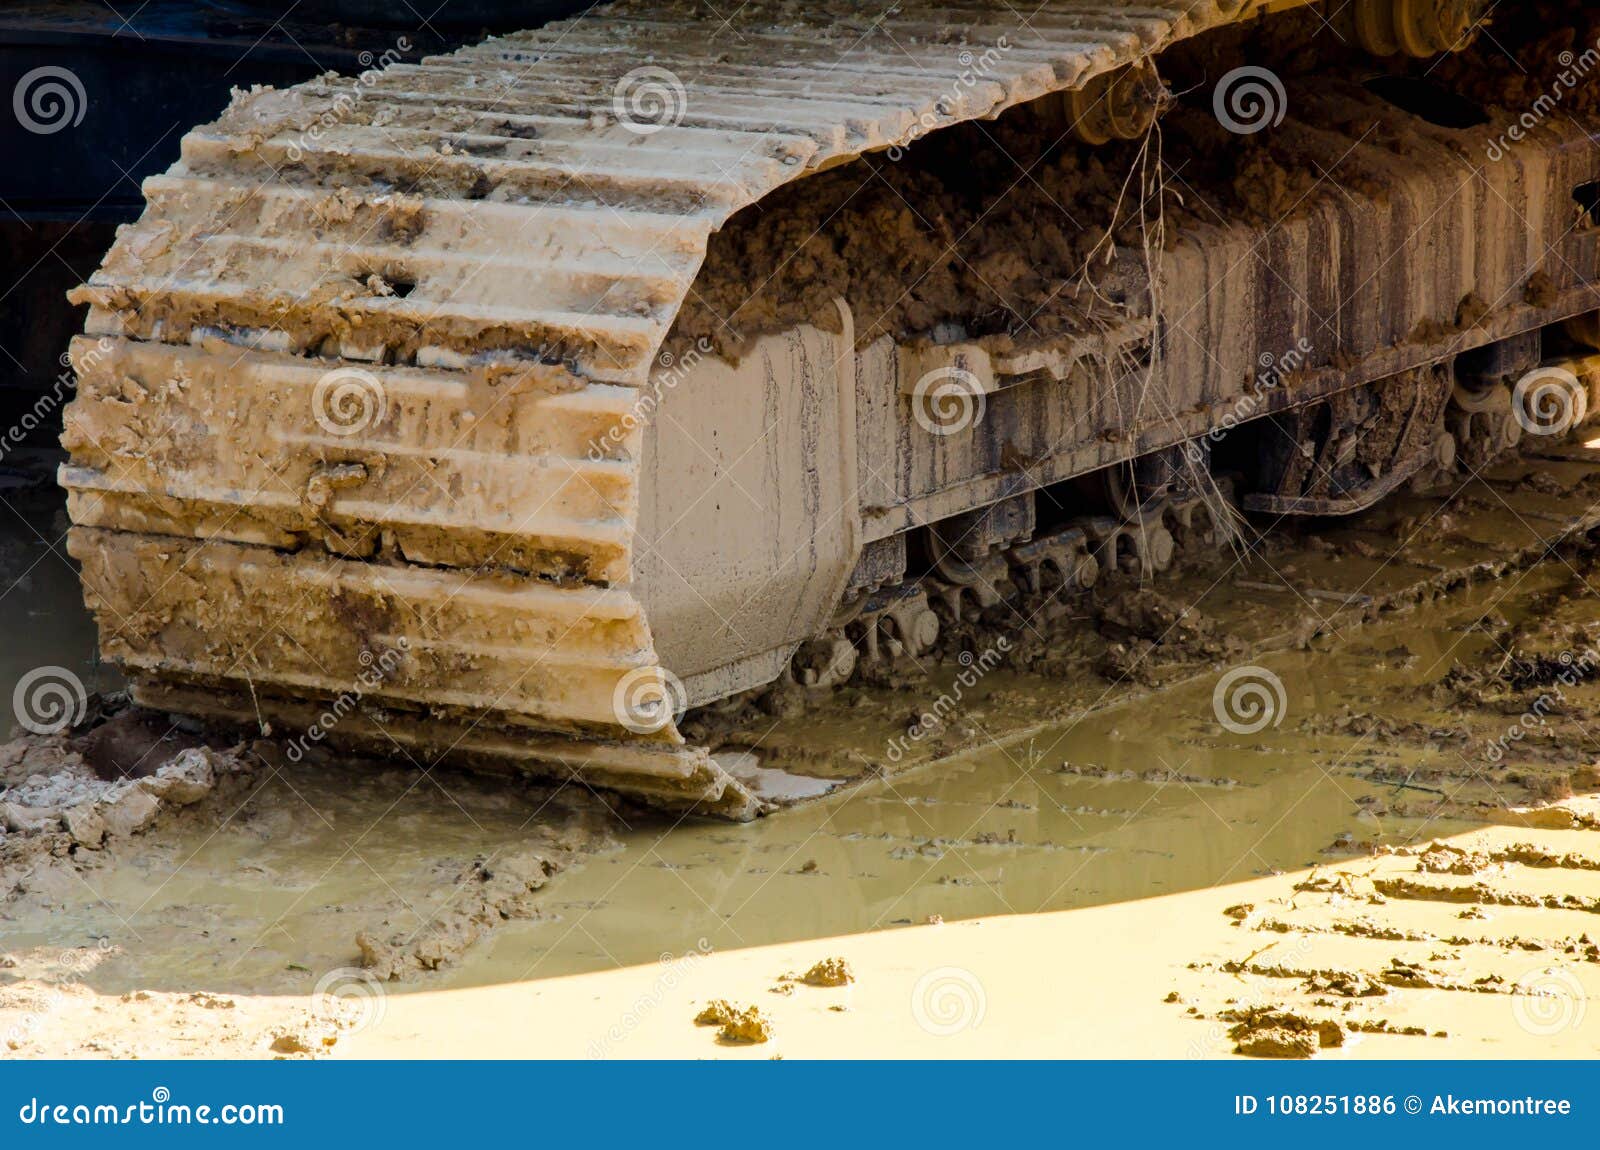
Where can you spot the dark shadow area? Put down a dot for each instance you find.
(1428, 100)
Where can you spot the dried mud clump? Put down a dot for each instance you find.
(62, 796)
(1268, 1032)
(829, 972)
(744, 1026)
(1344, 984)
(1013, 230)
(902, 242)
(1443, 858)
(1141, 617)
(287, 1043)
(1273, 1042)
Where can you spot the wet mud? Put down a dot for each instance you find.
(1014, 228)
(437, 882)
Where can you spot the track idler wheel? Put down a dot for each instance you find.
(915, 626)
(1482, 423)
(980, 588)
(1140, 549)
(1118, 105)
(1057, 562)
(894, 622)
(1444, 452)
(825, 662)
(1419, 28)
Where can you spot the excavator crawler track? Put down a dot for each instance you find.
(334, 457)
(340, 380)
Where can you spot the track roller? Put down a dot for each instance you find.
(825, 662)
(1419, 28)
(1482, 424)
(1118, 105)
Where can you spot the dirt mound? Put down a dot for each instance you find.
(54, 803)
(1012, 228)
(1268, 1032)
(829, 972)
(735, 1025)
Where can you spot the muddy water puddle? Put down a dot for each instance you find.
(42, 616)
(1147, 798)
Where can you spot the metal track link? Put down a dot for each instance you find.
(905, 620)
